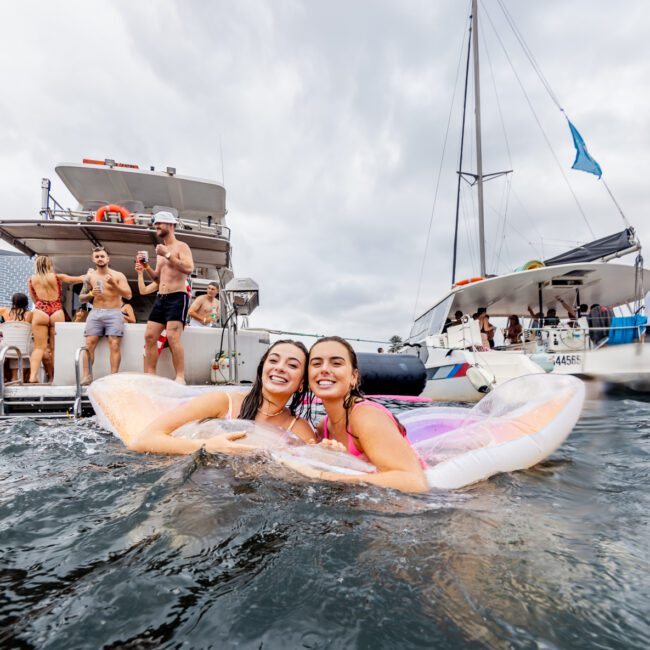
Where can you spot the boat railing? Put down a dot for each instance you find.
(78, 375)
(4, 351)
(566, 338)
(140, 219)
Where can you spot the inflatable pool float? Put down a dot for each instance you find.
(514, 427)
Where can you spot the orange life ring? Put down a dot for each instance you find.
(124, 213)
(462, 283)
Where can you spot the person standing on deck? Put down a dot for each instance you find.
(106, 288)
(173, 264)
(204, 311)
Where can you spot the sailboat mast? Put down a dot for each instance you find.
(479, 154)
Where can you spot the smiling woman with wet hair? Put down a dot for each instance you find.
(275, 398)
(359, 426)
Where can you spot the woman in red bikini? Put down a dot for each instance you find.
(359, 426)
(45, 290)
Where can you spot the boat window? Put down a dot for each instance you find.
(439, 315)
(420, 326)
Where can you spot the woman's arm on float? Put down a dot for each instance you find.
(156, 437)
(397, 465)
(304, 431)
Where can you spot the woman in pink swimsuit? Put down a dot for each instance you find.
(362, 427)
(276, 396)
(45, 290)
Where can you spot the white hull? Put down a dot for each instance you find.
(448, 381)
(200, 345)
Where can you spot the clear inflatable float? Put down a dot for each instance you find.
(514, 427)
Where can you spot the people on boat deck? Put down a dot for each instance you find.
(19, 310)
(107, 288)
(276, 398)
(205, 310)
(46, 292)
(513, 330)
(81, 314)
(458, 320)
(127, 312)
(173, 264)
(357, 425)
(487, 329)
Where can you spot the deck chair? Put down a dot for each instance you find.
(18, 334)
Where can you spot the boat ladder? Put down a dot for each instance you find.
(18, 399)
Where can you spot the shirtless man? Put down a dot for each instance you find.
(106, 288)
(173, 264)
(203, 307)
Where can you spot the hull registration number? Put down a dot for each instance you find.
(567, 360)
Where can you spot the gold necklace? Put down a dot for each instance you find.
(269, 415)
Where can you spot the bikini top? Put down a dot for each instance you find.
(228, 415)
(352, 448)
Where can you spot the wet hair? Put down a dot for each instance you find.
(19, 304)
(44, 267)
(254, 399)
(355, 394)
(99, 249)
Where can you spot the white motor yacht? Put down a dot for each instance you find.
(115, 207)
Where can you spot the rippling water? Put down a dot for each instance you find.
(101, 547)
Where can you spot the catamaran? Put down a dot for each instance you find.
(603, 336)
(116, 204)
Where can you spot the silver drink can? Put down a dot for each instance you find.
(143, 257)
(99, 286)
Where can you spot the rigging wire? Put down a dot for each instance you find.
(435, 196)
(539, 124)
(549, 90)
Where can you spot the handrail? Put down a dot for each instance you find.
(144, 219)
(76, 409)
(3, 355)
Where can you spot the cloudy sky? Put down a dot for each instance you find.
(332, 118)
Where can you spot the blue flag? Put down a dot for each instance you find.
(584, 162)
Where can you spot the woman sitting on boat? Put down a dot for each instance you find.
(46, 292)
(278, 391)
(19, 310)
(359, 426)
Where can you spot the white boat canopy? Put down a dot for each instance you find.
(69, 243)
(600, 283)
(93, 185)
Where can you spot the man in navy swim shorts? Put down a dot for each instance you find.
(173, 264)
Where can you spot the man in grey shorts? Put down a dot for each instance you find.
(106, 288)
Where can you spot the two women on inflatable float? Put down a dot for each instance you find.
(359, 441)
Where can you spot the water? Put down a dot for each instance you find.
(101, 547)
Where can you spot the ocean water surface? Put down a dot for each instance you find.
(104, 548)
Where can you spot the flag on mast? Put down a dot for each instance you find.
(584, 162)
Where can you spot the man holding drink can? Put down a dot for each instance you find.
(106, 288)
(173, 264)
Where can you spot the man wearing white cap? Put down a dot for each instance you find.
(173, 264)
